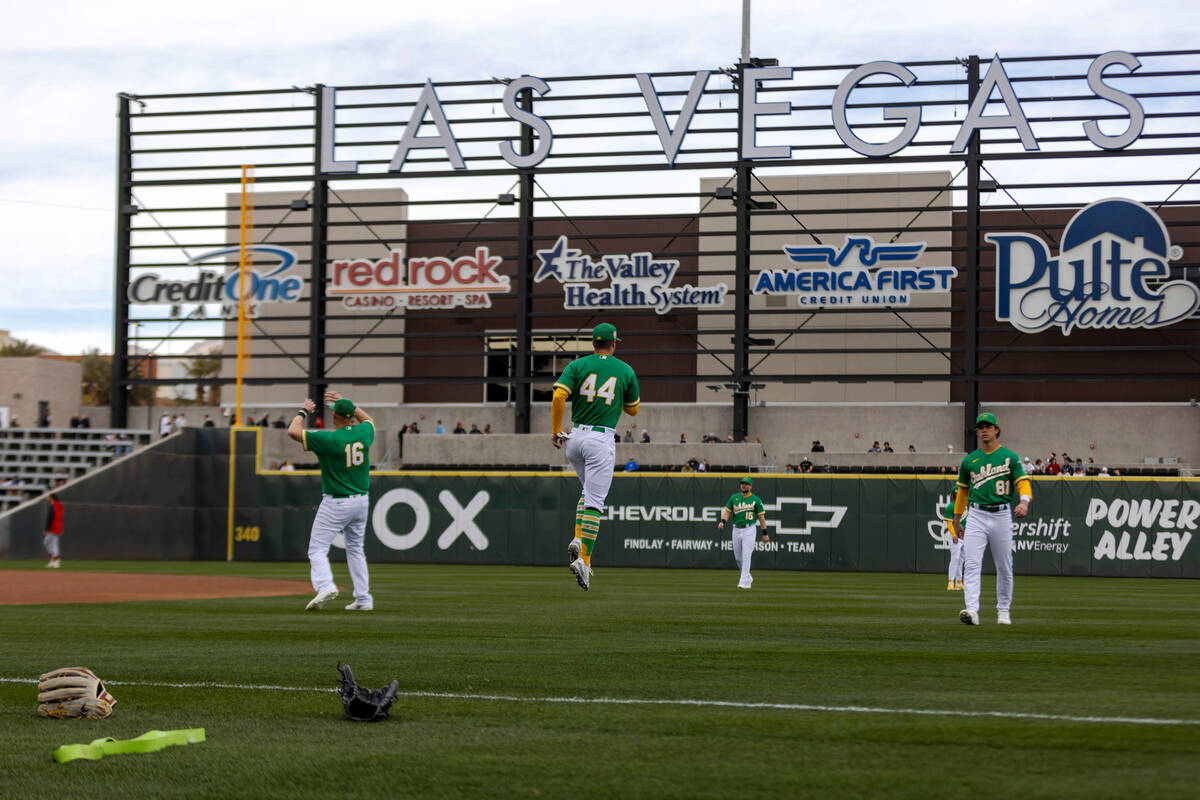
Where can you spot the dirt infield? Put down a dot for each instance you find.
(38, 587)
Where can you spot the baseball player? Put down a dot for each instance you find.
(988, 481)
(344, 456)
(745, 508)
(54, 521)
(954, 580)
(600, 387)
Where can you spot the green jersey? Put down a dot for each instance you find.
(599, 387)
(345, 457)
(745, 510)
(991, 478)
(948, 513)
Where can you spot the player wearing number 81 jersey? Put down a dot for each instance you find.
(344, 457)
(600, 387)
(989, 481)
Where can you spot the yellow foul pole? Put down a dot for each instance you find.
(245, 262)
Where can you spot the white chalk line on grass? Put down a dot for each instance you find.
(635, 701)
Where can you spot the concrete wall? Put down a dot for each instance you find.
(1122, 434)
(536, 450)
(25, 381)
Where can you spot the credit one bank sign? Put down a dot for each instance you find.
(428, 111)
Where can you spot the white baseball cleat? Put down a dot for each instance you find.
(582, 573)
(573, 550)
(1002, 618)
(323, 597)
(743, 584)
(968, 617)
(54, 564)
(357, 606)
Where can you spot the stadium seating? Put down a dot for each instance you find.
(34, 460)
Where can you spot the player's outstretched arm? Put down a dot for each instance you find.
(296, 428)
(362, 416)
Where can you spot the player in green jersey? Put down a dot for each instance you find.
(953, 541)
(745, 508)
(989, 480)
(600, 387)
(344, 455)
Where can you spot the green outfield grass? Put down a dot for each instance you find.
(489, 657)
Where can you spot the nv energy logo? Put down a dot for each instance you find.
(1111, 272)
(270, 285)
(860, 273)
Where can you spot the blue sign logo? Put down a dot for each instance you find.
(636, 280)
(1112, 271)
(267, 286)
(859, 273)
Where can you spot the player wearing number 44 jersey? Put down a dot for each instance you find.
(600, 387)
(989, 480)
(344, 456)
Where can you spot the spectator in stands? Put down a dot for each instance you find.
(1116, 473)
(1080, 469)
(1038, 468)
(458, 427)
(440, 429)
(631, 465)
(1052, 467)
(875, 448)
(949, 448)
(683, 438)
(12, 423)
(412, 428)
(265, 422)
(475, 429)
(887, 447)
(181, 422)
(281, 423)
(628, 436)
(164, 425)
(84, 421)
(693, 464)
(487, 428)
(1103, 473)
(287, 466)
(645, 436)
(1068, 467)
(729, 439)
(817, 447)
(806, 465)
(703, 465)
(74, 420)
(912, 449)
(208, 423)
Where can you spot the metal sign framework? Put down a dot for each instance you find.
(600, 150)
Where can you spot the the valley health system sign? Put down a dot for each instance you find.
(636, 280)
(1112, 272)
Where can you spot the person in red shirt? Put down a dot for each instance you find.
(54, 521)
(1053, 468)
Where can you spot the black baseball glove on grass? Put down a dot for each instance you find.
(363, 704)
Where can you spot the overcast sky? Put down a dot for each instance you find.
(64, 62)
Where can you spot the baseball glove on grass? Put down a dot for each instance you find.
(363, 704)
(73, 692)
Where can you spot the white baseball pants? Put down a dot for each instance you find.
(592, 453)
(988, 529)
(348, 516)
(955, 573)
(743, 548)
(50, 542)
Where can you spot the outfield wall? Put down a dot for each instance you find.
(173, 503)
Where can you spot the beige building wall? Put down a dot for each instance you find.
(364, 231)
(839, 215)
(25, 381)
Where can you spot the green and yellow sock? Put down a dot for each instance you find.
(579, 516)
(589, 530)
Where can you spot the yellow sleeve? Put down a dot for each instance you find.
(558, 407)
(631, 408)
(1024, 488)
(960, 501)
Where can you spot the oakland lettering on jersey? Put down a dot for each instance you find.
(988, 472)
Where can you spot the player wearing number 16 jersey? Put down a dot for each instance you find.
(344, 456)
(600, 387)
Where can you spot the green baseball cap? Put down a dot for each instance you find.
(604, 333)
(986, 417)
(344, 408)
(748, 480)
